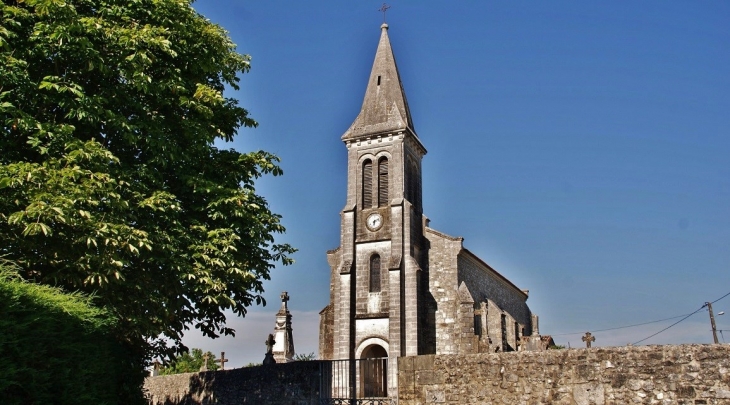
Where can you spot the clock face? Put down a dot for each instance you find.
(374, 221)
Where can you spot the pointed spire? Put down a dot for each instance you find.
(384, 108)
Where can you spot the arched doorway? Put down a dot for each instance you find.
(373, 372)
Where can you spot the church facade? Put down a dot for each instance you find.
(398, 287)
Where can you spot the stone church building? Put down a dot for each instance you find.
(398, 287)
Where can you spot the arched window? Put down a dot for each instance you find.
(375, 273)
(367, 184)
(383, 182)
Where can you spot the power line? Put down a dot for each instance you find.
(721, 298)
(650, 336)
(685, 316)
(622, 327)
(700, 309)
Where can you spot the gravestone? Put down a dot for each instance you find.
(204, 367)
(270, 342)
(283, 349)
(588, 338)
(156, 367)
(223, 360)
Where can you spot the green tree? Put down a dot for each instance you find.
(110, 180)
(190, 362)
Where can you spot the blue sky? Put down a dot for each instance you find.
(580, 148)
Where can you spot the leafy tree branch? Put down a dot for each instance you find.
(110, 180)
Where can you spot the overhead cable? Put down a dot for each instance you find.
(698, 310)
(685, 316)
(621, 327)
(720, 298)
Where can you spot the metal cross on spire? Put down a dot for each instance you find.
(383, 9)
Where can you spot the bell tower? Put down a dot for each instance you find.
(376, 269)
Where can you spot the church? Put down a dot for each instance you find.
(399, 287)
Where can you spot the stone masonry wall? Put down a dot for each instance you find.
(276, 384)
(683, 375)
(485, 284)
(326, 332)
(442, 268)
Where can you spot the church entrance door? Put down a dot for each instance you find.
(373, 372)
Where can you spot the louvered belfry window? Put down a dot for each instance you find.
(367, 184)
(375, 273)
(383, 182)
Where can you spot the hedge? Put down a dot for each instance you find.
(57, 348)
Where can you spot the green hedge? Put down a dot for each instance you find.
(56, 348)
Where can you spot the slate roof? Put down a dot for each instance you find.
(385, 108)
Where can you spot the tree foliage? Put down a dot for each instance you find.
(57, 348)
(190, 362)
(110, 180)
(305, 356)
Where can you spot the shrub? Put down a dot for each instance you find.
(56, 348)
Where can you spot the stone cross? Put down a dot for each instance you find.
(156, 367)
(270, 342)
(588, 338)
(284, 299)
(204, 367)
(383, 9)
(223, 360)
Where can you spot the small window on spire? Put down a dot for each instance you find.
(378, 80)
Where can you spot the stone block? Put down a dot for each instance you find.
(429, 377)
(406, 379)
(434, 396)
(589, 394)
(423, 362)
(722, 394)
(407, 363)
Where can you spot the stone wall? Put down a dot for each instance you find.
(663, 375)
(684, 374)
(485, 283)
(326, 332)
(442, 269)
(449, 264)
(285, 384)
